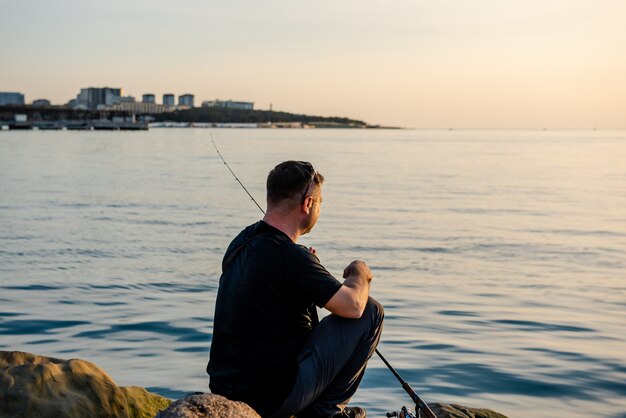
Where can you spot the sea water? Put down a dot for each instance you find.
(500, 256)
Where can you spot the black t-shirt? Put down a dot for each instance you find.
(263, 314)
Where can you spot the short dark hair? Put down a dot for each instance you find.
(290, 179)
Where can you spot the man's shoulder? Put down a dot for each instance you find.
(243, 235)
(300, 255)
(261, 233)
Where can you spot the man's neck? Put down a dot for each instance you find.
(290, 227)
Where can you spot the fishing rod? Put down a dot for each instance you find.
(420, 405)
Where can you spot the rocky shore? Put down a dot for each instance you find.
(46, 387)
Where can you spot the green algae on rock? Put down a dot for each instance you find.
(38, 386)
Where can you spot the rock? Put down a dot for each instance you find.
(459, 411)
(207, 405)
(37, 386)
(46, 387)
(215, 406)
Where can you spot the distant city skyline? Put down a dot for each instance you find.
(452, 63)
(95, 97)
(167, 98)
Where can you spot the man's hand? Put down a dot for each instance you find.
(358, 268)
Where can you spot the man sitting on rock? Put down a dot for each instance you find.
(269, 349)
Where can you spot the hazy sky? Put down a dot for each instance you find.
(413, 63)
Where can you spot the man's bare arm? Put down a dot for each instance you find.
(350, 300)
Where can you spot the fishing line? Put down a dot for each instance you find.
(419, 403)
(234, 175)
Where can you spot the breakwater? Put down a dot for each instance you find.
(65, 118)
(91, 125)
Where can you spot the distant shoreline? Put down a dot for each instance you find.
(142, 126)
(275, 125)
(66, 118)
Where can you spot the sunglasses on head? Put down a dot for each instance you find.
(309, 184)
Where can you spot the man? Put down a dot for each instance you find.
(269, 349)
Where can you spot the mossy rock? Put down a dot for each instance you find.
(46, 387)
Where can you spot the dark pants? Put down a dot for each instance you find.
(332, 363)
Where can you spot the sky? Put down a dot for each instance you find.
(436, 64)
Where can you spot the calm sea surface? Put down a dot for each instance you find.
(500, 256)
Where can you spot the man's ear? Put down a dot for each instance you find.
(308, 204)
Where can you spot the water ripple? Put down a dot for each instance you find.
(543, 326)
(168, 392)
(34, 287)
(458, 313)
(7, 314)
(184, 334)
(532, 325)
(463, 379)
(34, 326)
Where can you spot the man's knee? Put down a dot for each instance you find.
(374, 310)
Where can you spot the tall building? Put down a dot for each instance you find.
(11, 98)
(41, 103)
(169, 100)
(148, 98)
(229, 104)
(140, 108)
(185, 100)
(98, 97)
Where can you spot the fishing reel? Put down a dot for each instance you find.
(404, 413)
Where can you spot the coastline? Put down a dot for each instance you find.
(134, 125)
(40, 386)
(29, 117)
